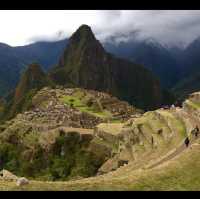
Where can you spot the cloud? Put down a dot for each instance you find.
(167, 26)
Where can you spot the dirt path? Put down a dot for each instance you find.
(179, 150)
(80, 130)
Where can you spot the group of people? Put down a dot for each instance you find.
(195, 132)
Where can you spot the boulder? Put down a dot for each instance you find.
(110, 165)
(22, 181)
(7, 175)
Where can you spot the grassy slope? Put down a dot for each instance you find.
(195, 105)
(78, 102)
(180, 173)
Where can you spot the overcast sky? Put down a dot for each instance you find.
(169, 27)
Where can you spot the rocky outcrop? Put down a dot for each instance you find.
(22, 182)
(7, 175)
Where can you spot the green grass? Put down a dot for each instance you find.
(113, 146)
(114, 120)
(175, 122)
(195, 105)
(111, 128)
(80, 105)
(180, 174)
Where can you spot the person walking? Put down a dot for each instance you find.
(187, 142)
(196, 131)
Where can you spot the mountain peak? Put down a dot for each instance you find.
(32, 78)
(84, 27)
(34, 67)
(86, 64)
(83, 32)
(82, 45)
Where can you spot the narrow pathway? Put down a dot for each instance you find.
(179, 150)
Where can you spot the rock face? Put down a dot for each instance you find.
(86, 64)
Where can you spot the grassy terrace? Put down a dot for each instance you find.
(195, 105)
(111, 128)
(79, 104)
(175, 122)
(113, 146)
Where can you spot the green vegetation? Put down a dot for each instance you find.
(180, 174)
(67, 158)
(195, 105)
(76, 102)
(113, 146)
(176, 123)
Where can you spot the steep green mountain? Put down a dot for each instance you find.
(31, 81)
(86, 64)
